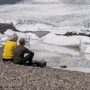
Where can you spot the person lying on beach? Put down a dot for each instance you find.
(9, 47)
(19, 54)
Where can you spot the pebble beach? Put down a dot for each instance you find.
(16, 77)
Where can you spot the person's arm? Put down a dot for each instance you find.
(3, 47)
(15, 44)
(27, 50)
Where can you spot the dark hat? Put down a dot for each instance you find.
(22, 41)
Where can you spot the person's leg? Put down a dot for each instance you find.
(4, 60)
(8, 60)
(28, 58)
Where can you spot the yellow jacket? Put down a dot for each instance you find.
(9, 46)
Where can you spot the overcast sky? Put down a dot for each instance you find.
(7, 1)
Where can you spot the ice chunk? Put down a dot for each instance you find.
(61, 40)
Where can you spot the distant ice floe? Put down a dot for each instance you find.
(40, 1)
(34, 27)
(57, 1)
(46, 1)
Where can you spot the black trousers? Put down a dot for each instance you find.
(8, 60)
(28, 59)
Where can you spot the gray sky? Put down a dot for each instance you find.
(7, 1)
